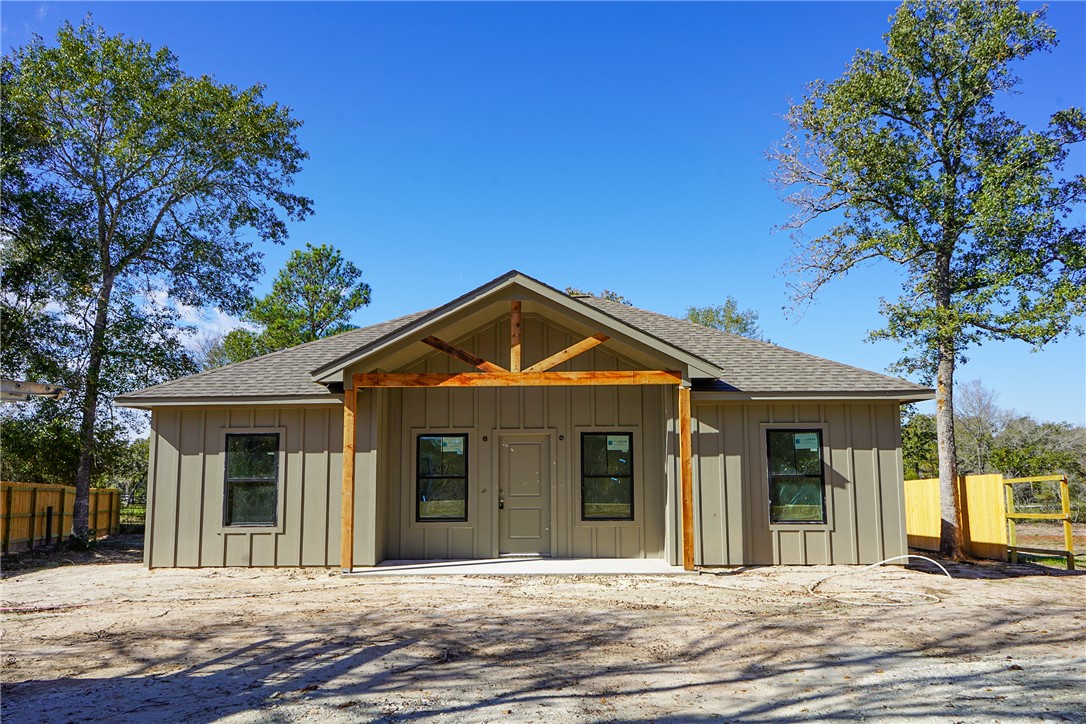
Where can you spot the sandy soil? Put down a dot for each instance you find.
(104, 639)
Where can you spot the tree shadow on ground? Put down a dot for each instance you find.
(123, 548)
(983, 569)
(580, 664)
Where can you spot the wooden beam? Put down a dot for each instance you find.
(687, 468)
(346, 521)
(463, 355)
(515, 322)
(568, 353)
(519, 379)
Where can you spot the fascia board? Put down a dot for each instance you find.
(147, 403)
(891, 395)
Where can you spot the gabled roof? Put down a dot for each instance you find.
(721, 363)
(533, 287)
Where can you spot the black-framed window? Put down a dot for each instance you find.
(441, 478)
(251, 481)
(607, 476)
(797, 478)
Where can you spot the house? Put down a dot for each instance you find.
(518, 420)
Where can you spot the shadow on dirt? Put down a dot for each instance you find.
(396, 665)
(980, 569)
(124, 548)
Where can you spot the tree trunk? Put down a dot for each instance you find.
(950, 534)
(950, 539)
(80, 523)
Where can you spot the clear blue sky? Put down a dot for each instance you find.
(605, 145)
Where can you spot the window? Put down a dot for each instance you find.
(607, 476)
(441, 482)
(252, 478)
(796, 477)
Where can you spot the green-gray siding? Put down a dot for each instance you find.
(864, 488)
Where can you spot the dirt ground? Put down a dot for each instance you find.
(96, 637)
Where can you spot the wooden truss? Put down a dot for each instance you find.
(540, 374)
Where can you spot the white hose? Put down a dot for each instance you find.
(883, 591)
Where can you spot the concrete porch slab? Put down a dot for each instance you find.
(524, 567)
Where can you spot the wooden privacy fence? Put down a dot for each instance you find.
(984, 515)
(36, 514)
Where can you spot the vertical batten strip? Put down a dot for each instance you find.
(685, 440)
(346, 525)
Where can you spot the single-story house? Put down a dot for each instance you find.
(517, 420)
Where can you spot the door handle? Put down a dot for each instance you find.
(501, 503)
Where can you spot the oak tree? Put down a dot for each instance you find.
(163, 180)
(908, 159)
(727, 317)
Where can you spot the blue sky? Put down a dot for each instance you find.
(606, 145)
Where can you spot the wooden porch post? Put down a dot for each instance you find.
(515, 322)
(346, 524)
(687, 473)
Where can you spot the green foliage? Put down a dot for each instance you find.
(727, 317)
(605, 294)
(997, 440)
(41, 445)
(132, 188)
(909, 156)
(906, 159)
(313, 296)
(919, 451)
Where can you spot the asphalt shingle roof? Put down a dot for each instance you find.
(280, 374)
(750, 366)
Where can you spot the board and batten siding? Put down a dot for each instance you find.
(186, 471)
(864, 487)
(561, 412)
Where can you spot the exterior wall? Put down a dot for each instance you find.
(185, 484)
(561, 412)
(864, 487)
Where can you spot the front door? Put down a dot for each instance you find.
(524, 495)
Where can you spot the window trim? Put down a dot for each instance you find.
(824, 453)
(634, 462)
(281, 460)
(421, 433)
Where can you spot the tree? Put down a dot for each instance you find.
(313, 296)
(919, 445)
(156, 176)
(727, 317)
(978, 419)
(908, 159)
(605, 294)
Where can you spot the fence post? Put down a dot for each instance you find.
(1011, 529)
(33, 528)
(1068, 539)
(7, 519)
(94, 517)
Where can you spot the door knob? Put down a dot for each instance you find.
(501, 503)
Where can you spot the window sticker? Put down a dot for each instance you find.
(805, 440)
(618, 443)
(454, 445)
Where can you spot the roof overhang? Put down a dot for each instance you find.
(150, 403)
(819, 396)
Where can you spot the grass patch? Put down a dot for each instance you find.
(1051, 561)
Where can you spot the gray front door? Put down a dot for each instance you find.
(524, 490)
